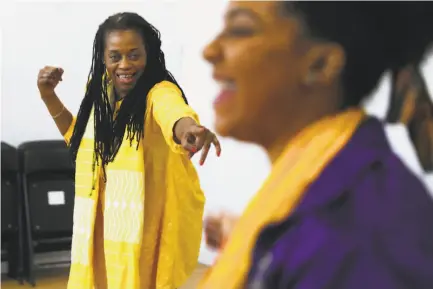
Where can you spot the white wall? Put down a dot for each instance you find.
(62, 34)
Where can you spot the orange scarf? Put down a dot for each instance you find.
(299, 165)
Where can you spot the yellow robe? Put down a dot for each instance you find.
(142, 228)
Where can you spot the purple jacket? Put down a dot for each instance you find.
(365, 223)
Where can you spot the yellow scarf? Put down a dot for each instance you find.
(123, 213)
(298, 166)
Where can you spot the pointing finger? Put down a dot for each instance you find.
(204, 153)
(197, 130)
(217, 145)
(199, 134)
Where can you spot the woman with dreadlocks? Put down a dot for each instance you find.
(138, 206)
(339, 209)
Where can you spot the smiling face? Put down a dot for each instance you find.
(255, 59)
(125, 59)
(262, 61)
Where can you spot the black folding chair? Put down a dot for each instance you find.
(11, 212)
(48, 187)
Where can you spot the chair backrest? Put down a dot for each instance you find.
(48, 182)
(9, 159)
(45, 157)
(9, 187)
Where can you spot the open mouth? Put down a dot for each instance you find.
(227, 85)
(126, 78)
(227, 90)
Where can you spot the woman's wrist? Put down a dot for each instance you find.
(48, 97)
(180, 128)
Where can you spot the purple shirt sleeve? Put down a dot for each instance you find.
(386, 241)
(365, 223)
(374, 264)
(379, 234)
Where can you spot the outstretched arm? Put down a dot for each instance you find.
(179, 123)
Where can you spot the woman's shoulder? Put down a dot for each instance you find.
(381, 185)
(164, 85)
(390, 198)
(162, 88)
(370, 187)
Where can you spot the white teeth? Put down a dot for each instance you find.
(125, 75)
(227, 85)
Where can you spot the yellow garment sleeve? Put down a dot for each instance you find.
(68, 134)
(168, 107)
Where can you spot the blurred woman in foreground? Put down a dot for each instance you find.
(339, 209)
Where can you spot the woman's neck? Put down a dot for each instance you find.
(276, 150)
(117, 96)
(284, 134)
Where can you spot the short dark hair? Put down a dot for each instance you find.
(376, 36)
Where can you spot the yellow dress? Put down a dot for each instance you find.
(141, 229)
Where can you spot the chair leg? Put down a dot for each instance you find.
(28, 231)
(12, 260)
(21, 226)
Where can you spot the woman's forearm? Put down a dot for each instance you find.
(61, 115)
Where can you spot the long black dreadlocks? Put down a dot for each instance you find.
(109, 132)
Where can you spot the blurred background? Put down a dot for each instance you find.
(35, 34)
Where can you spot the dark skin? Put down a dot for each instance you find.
(125, 58)
(283, 81)
(280, 81)
(218, 229)
(48, 78)
(125, 55)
